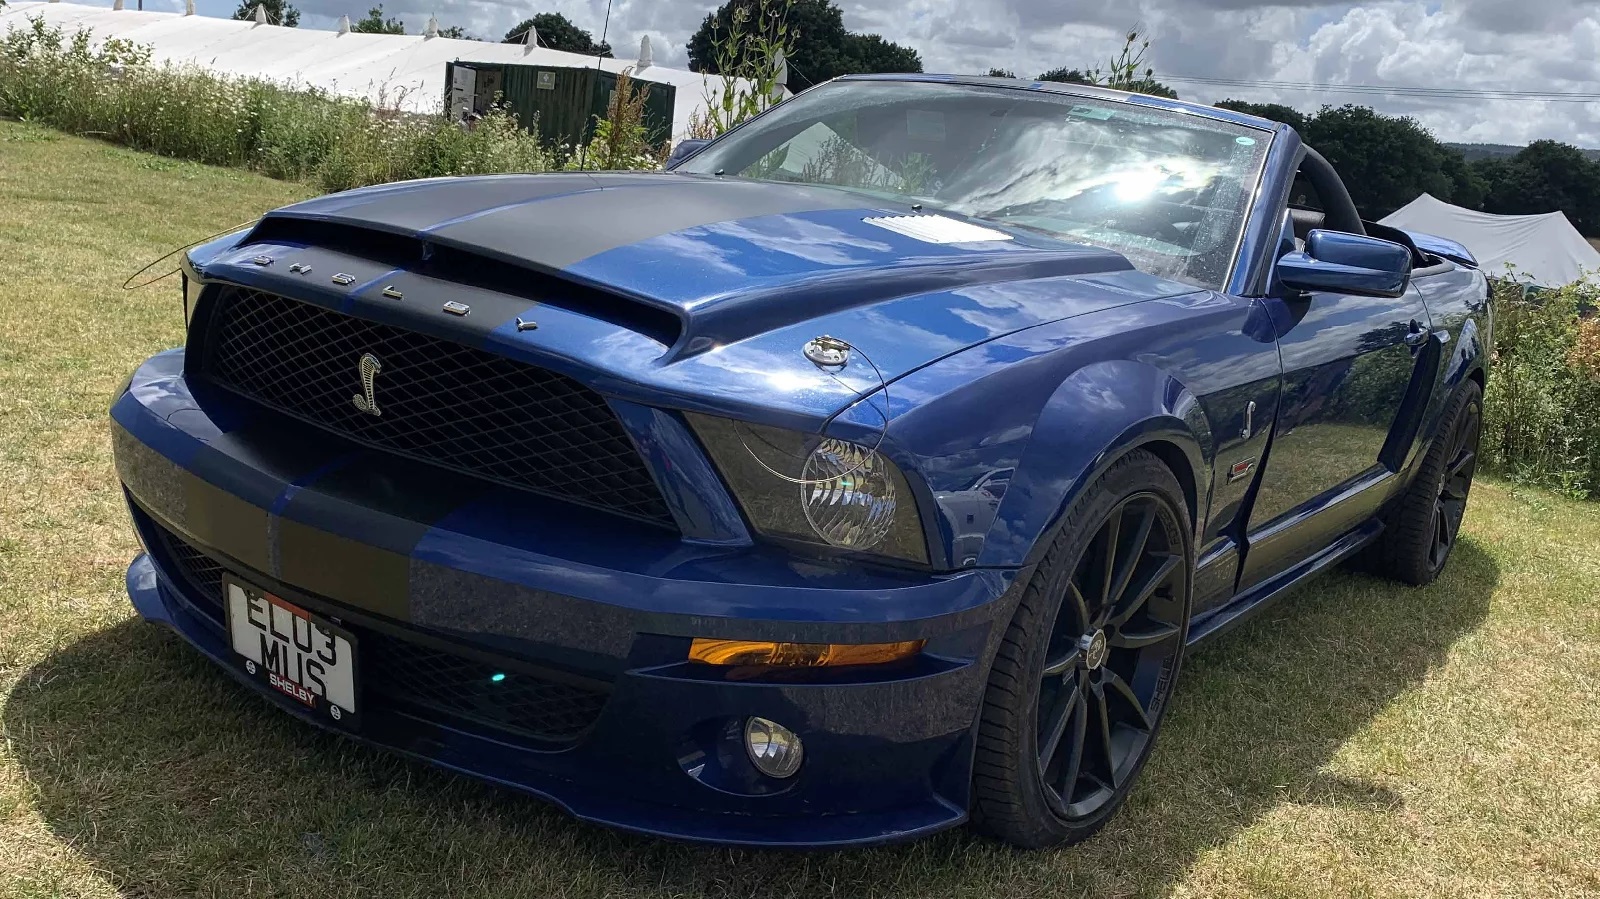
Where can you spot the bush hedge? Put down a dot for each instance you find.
(113, 92)
(1542, 411)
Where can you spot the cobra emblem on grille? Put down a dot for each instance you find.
(370, 366)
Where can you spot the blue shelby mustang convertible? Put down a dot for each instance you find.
(866, 473)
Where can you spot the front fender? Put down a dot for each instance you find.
(1004, 437)
(1098, 415)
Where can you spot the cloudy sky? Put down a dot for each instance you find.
(1549, 46)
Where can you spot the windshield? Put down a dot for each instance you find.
(1168, 190)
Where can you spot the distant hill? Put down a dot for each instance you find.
(1486, 151)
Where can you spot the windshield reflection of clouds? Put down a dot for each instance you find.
(1166, 189)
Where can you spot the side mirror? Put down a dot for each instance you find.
(685, 148)
(1337, 262)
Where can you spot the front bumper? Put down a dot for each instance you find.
(354, 534)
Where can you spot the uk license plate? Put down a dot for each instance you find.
(292, 651)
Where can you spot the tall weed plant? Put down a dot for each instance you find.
(113, 92)
(750, 53)
(1542, 411)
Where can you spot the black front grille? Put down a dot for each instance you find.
(203, 573)
(438, 401)
(463, 687)
(424, 677)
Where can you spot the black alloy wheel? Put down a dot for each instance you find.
(1422, 527)
(1116, 639)
(1082, 677)
(1450, 506)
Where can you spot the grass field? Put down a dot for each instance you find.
(1358, 740)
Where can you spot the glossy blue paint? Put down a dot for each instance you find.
(685, 148)
(1444, 247)
(1001, 377)
(1347, 263)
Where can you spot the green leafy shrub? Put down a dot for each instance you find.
(750, 54)
(1542, 411)
(113, 92)
(621, 139)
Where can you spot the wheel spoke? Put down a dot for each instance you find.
(1062, 665)
(1082, 604)
(1122, 639)
(1453, 491)
(1124, 690)
(1113, 532)
(1130, 562)
(1465, 459)
(1061, 715)
(1073, 766)
(1146, 589)
(1105, 740)
(1441, 531)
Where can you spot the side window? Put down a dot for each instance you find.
(1304, 195)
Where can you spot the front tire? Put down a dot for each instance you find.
(1081, 680)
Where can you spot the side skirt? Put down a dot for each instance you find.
(1241, 607)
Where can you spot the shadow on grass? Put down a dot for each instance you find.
(173, 780)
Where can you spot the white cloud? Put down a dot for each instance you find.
(1544, 45)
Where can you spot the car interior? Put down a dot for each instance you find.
(1318, 200)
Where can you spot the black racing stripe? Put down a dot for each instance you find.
(570, 633)
(397, 501)
(154, 480)
(417, 206)
(344, 570)
(400, 499)
(563, 230)
(257, 462)
(225, 522)
(190, 504)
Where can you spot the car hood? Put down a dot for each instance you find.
(742, 273)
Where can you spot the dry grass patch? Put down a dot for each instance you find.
(1361, 739)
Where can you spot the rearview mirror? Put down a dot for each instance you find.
(685, 148)
(1337, 262)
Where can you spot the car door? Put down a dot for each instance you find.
(1348, 366)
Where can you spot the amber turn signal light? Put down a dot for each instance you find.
(799, 655)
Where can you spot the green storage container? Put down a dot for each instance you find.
(563, 103)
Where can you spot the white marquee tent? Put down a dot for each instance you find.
(407, 71)
(1545, 247)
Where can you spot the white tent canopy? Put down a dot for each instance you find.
(1545, 247)
(399, 71)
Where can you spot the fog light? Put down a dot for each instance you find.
(774, 749)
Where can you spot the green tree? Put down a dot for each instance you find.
(1547, 176)
(557, 32)
(1065, 75)
(1126, 71)
(1467, 188)
(279, 12)
(1001, 73)
(822, 47)
(871, 53)
(1385, 161)
(375, 23)
(1276, 112)
(457, 32)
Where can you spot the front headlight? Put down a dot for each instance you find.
(815, 489)
(847, 495)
